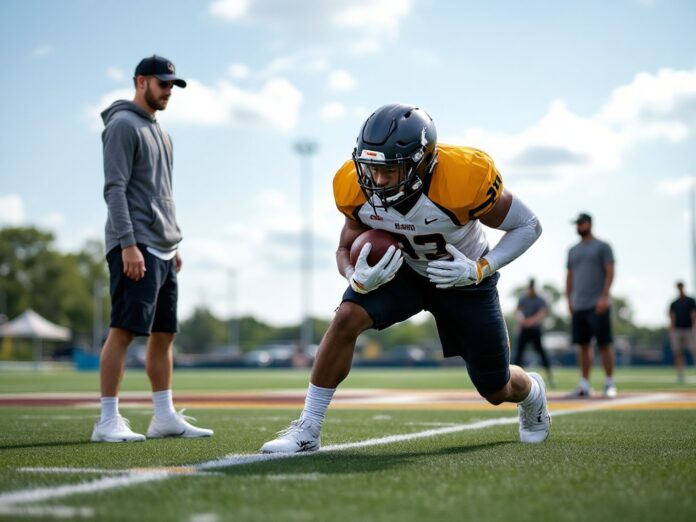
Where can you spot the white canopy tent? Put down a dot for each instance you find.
(31, 325)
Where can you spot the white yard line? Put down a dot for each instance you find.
(142, 475)
(26, 496)
(67, 512)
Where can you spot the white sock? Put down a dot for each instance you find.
(534, 394)
(584, 384)
(163, 403)
(609, 381)
(316, 403)
(109, 408)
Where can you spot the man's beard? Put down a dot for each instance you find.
(154, 103)
(584, 233)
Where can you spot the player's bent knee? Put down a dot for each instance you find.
(498, 397)
(351, 319)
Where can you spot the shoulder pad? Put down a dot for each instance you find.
(347, 193)
(465, 182)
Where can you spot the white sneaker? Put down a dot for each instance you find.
(116, 429)
(610, 391)
(301, 435)
(535, 420)
(176, 425)
(580, 392)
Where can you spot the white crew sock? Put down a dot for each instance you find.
(163, 403)
(609, 381)
(109, 408)
(584, 384)
(534, 394)
(316, 403)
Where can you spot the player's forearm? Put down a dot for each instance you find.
(522, 230)
(345, 268)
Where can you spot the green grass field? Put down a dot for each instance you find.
(623, 463)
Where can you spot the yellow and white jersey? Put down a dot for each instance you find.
(463, 186)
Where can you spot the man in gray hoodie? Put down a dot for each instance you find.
(142, 237)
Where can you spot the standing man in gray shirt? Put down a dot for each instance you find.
(142, 237)
(590, 274)
(530, 313)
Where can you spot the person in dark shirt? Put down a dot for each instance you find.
(682, 318)
(531, 312)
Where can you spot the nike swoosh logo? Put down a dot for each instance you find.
(428, 221)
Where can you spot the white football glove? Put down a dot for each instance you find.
(367, 278)
(460, 271)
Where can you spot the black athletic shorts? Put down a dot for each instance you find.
(469, 321)
(144, 306)
(588, 324)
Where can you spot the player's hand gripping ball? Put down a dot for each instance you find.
(380, 241)
(376, 259)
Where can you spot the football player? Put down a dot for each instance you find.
(434, 198)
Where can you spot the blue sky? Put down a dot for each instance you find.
(584, 106)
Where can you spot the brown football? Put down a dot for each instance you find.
(380, 241)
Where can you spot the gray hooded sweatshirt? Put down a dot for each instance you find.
(138, 163)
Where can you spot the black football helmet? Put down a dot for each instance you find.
(397, 135)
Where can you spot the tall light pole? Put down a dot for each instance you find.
(306, 148)
(233, 326)
(693, 232)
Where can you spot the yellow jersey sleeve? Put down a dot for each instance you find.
(347, 193)
(465, 182)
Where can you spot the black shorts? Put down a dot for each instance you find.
(144, 306)
(469, 321)
(588, 324)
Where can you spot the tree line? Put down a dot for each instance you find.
(71, 289)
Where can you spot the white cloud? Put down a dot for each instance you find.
(676, 186)
(52, 220)
(42, 51)
(11, 210)
(333, 111)
(238, 71)
(275, 105)
(229, 9)
(114, 73)
(340, 80)
(361, 24)
(563, 145)
(374, 16)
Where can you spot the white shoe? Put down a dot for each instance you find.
(535, 420)
(115, 429)
(580, 392)
(301, 435)
(610, 391)
(175, 425)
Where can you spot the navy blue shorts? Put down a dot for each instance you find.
(588, 324)
(144, 306)
(469, 321)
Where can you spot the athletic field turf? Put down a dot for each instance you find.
(397, 445)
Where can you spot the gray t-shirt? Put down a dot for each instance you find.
(529, 305)
(587, 262)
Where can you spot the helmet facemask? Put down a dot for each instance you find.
(406, 170)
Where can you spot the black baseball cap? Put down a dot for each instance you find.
(582, 218)
(160, 68)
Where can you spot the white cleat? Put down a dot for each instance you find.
(535, 420)
(301, 435)
(116, 429)
(610, 392)
(176, 425)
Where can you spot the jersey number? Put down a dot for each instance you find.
(438, 240)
